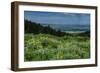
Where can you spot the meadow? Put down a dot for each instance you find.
(56, 36)
(40, 47)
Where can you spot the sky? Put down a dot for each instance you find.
(57, 17)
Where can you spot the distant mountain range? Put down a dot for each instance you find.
(69, 27)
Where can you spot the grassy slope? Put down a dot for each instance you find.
(48, 47)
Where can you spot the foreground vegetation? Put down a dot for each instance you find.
(45, 43)
(50, 47)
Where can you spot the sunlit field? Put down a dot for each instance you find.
(48, 47)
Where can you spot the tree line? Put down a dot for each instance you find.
(36, 28)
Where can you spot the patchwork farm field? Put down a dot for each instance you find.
(38, 47)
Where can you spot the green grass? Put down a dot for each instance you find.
(48, 47)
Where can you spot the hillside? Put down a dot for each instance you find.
(36, 28)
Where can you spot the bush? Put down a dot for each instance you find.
(49, 47)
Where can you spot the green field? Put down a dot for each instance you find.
(40, 47)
